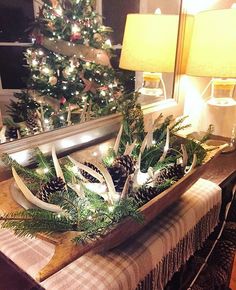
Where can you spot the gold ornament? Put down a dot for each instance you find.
(97, 37)
(52, 80)
(54, 3)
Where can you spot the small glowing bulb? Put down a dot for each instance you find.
(64, 87)
(108, 42)
(34, 62)
(46, 70)
(45, 170)
(62, 118)
(74, 169)
(103, 148)
(59, 10)
(41, 52)
(71, 69)
(75, 28)
(111, 208)
(158, 11)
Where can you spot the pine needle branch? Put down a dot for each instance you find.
(43, 162)
(24, 171)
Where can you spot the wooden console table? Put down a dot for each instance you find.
(222, 172)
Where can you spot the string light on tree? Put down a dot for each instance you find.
(70, 57)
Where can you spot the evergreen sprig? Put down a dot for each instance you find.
(24, 171)
(195, 147)
(33, 221)
(44, 162)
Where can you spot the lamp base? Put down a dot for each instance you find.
(222, 102)
(151, 91)
(222, 92)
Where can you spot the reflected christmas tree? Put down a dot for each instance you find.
(71, 77)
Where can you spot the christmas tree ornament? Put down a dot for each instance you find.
(62, 100)
(75, 36)
(51, 187)
(39, 39)
(97, 37)
(52, 80)
(54, 3)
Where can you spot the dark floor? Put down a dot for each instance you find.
(12, 279)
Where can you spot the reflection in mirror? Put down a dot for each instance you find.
(71, 79)
(157, 33)
(211, 101)
(167, 32)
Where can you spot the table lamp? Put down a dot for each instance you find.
(213, 53)
(149, 46)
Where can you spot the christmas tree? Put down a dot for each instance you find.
(69, 63)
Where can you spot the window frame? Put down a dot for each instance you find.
(9, 92)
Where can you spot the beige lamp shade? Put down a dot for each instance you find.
(149, 42)
(213, 45)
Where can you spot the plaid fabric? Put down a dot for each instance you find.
(125, 266)
(161, 248)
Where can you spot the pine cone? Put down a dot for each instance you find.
(174, 172)
(88, 176)
(12, 133)
(119, 175)
(54, 185)
(144, 194)
(127, 161)
(223, 255)
(32, 123)
(229, 233)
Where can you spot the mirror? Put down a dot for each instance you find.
(196, 88)
(96, 86)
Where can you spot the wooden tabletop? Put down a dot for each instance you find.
(223, 169)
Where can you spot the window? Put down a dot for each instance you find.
(15, 18)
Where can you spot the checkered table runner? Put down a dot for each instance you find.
(154, 254)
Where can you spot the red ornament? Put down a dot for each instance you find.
(75, 36)
(62, 100)
(104, 88)
(39, 39)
